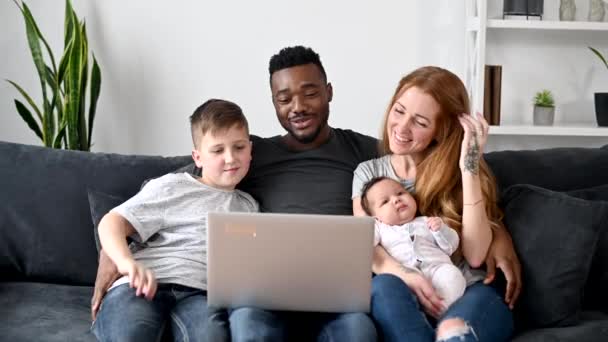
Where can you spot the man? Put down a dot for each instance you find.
(308, 170)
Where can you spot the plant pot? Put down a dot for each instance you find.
(543, 116)
(601, 109)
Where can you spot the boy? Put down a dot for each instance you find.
(167, 221)
(423, 244)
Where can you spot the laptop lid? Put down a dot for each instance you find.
(289, 261)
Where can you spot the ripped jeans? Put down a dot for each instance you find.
(399, 317)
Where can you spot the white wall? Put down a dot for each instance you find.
(160, 59)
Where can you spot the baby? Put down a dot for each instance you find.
(423, 244)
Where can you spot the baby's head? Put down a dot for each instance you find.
(388, 201)
(222, 148)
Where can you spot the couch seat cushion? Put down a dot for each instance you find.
(45, 312)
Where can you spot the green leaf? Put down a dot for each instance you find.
(26, 12)
(599, 55)
(94, 95)
(51, 80)
(69, 23)
(26, 115)
(48, 124)
(73, 88)
(34, 44)
(27, 98)
(63, 64)
(60, 135)
(82, 120)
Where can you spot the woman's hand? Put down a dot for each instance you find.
(473, 143)
(425, 292)
(422, 287)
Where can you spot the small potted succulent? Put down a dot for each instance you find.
(601, 99)
(544, 108)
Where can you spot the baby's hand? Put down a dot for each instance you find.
(140, 278)
(434, 223)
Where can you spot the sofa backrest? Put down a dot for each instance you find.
(558, 169)
(46, 231)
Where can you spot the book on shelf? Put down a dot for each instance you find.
(492, 93)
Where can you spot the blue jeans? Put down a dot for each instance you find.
(252, 324)
(399, 317)
(126, 317)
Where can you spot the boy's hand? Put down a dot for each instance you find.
(140, 278)
(434, 223)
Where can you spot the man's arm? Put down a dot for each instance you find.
(502, 255)
(107, 273)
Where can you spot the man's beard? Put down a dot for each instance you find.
(309, 138)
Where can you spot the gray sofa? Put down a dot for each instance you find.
(48, 255)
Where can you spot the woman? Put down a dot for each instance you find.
(433, 147)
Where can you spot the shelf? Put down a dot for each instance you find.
(574, 131)
(547, 25)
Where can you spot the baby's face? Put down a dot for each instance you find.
(390, 203)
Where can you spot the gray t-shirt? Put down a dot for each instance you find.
(379, 167)
(169, 215)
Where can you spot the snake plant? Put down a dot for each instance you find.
(61, 120)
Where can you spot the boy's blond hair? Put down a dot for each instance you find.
(215, 116)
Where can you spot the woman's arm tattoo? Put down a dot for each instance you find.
(471, 159)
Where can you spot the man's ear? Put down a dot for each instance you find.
(330, 92)
(196, 156)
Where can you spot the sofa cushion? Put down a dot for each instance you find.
(100, 204)
(593, 327)
(45, 312)
(578, 168)
(46, 232)
(555, 237)
(596, 297)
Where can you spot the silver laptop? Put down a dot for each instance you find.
(289, 261)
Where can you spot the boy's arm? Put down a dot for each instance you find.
(502, 255)
(113, 232)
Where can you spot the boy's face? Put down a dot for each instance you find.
(390, 203)
(224, 157)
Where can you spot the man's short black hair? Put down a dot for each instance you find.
(293, 56)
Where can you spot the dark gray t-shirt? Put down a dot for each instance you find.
(317, 181)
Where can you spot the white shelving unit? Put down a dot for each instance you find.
(547, 25)
(477, 26)
(572, 131)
